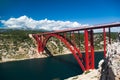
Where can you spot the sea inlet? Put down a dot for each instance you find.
(50, 68)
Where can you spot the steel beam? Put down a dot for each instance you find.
(109, 34)
(86, 49)
(104, 37)
(92, 49)
(86, 28)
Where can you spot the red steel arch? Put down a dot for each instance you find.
(64, 40)
(88, 59)
(75, 51)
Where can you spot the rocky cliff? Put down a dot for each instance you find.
(18, 45)
(108, 69)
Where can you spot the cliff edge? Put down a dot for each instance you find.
(108, 68)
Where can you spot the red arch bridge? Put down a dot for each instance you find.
(85, 62)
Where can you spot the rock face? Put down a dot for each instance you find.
(17, 48)
(25, 47)
(110, 67)
(88, 75)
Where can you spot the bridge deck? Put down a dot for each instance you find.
(117, 24)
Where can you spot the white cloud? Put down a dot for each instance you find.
(26, 22)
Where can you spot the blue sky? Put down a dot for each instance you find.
(82, 11)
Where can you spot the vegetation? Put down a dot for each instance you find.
(17, 44)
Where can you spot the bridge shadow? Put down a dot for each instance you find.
(48, 53)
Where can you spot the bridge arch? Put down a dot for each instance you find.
(42, 39)
(75, 51)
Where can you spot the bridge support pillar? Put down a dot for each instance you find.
(104, 37)
(86, 49)
(109, 35)
(92, 50)
(89, 50)
(39, 40)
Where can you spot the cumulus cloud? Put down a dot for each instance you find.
(26, 22)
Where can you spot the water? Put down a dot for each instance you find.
(52, 68)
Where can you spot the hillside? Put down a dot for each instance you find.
(16, 44)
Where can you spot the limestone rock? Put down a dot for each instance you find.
(110, 68)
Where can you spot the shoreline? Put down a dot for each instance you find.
(42, 56)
